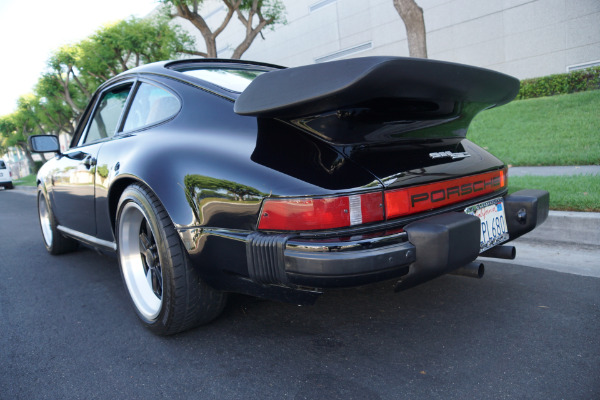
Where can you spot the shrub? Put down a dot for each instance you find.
(576, 81)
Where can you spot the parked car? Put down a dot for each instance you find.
(5, 176)
(216, 176)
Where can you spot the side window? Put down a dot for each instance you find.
(150, 105)
(107, 114)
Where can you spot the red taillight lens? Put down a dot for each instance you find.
(417, 199)
(321, 213)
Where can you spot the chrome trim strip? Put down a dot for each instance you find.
(87, 238)
(324, 246)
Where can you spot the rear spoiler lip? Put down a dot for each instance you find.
(318, 88)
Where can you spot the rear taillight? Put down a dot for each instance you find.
(321, 213)
(421, 198)
(305, 214)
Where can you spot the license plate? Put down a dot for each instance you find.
(493, 223)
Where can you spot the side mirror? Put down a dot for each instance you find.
(44, 144)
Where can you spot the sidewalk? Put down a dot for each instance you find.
(553, 171)
(566, 242)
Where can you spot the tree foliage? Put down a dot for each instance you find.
(80, 68)
(255, 15)
(75, 71)
(15, 128)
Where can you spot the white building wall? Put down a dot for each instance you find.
(524, 38)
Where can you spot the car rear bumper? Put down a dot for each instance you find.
(418, 252)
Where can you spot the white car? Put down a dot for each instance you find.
(5, 176)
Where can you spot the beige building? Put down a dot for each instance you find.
(524, 38)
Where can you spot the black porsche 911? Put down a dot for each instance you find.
(216, 176)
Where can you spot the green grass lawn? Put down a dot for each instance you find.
(567, 193)
(29, 180)
(557, 130)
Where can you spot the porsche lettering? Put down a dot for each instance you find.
(455, 192)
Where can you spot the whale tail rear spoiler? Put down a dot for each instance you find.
(374, 100)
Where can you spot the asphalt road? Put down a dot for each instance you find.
(67, 331)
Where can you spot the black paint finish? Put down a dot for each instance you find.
(212, 168)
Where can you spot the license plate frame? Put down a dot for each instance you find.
(493, 228)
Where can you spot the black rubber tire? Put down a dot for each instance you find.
(187, 301)
(9, 186)
(57, 244)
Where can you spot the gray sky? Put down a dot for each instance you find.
(31, 30)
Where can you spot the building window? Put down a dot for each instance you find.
(345, 52)
(320, 4)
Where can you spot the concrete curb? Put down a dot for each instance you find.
(30, 190)
(568, 227)
(555, 171)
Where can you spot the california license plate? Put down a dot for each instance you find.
(493, 222)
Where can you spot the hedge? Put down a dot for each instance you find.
(576, 81)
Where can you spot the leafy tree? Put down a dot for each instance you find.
(8, 129)
(75, 72)
(80, 68)
(53, 111)
(62, 69)
(255, 15)
(15, 128)
(412, 15)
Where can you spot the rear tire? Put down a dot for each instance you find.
(9, 186)
(167, 293)
(54, 241)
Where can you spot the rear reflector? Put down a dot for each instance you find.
(417, 199)
(321, 213)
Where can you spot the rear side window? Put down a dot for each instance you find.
(2, 165)
(107, 114)
(150, 105)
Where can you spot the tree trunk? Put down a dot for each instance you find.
(23, 146)
(183, 10)
(412, 16)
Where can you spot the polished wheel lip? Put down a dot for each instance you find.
(137, 277)
(44, 215)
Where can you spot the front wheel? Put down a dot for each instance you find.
(166, 290)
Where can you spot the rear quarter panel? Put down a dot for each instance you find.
(212, 168)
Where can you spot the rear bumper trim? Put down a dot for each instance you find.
(337, 264)
(423, 250)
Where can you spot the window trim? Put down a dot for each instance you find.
(133, 93)
(80, 141)
(82, 127)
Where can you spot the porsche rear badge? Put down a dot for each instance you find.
(444, 154)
